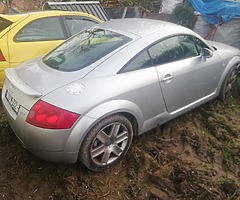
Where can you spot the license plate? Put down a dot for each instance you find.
(13, 102)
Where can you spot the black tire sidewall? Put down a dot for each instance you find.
(223, 88)
(84, 153)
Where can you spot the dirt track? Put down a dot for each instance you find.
(196, 156)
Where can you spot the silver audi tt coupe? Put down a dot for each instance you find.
(86, 100)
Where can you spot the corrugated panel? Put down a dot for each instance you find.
(91, 7)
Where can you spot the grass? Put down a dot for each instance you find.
(230, 188)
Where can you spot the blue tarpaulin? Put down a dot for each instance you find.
(213, 9)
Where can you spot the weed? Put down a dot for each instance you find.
(231, 101)
(227, 157)
(210, 153)
(133, 191)
(132, 163)
(230, 188)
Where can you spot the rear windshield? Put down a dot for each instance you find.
(84, 49)
(4, 24)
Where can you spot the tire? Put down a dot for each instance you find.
(229, 83)
(106, 143)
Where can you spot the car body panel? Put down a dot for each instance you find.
(126, 95)
(148, 97)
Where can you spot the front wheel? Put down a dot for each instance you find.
(106, 143)
(229, 83)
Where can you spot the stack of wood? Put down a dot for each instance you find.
(111, 3)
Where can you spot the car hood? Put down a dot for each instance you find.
(43, 79)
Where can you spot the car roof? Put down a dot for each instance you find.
(16, 17)
(140, 26)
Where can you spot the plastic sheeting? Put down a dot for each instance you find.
(212, 9)
(202, 27)
(169, 5)
(229, 33)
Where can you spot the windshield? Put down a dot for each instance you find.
(4, 24)
(84, 49)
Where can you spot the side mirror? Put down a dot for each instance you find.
(206, 53)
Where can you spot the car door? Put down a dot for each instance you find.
(184, 76)
(34, 38)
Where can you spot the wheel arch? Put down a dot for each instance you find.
(86, 122)
(133, 121)
(235, 61)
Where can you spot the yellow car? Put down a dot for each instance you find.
(25, 36)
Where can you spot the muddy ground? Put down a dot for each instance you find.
(196, 156)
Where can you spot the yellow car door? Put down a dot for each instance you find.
(37, 37)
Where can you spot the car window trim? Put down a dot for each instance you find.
(174, 35)
(121, 71)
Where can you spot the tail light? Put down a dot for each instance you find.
(45, 115)
(1, 56)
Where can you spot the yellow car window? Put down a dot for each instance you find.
(41, 29)
(77, 24)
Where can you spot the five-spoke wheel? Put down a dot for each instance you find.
(106, 143)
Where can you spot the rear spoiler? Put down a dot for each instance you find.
(90, 7)
(12, 76)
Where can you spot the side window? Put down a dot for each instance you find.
(41, 29)
(168, 50)
(200, 44)
(173, 49)
(140, 61)
(188, 46)
(4, 23)
(77, 24)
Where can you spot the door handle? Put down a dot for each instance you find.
(167, 78)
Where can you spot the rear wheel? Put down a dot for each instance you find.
(229, 83)
(106, 143)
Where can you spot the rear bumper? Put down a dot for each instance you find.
(43, 145)
(54, 156)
